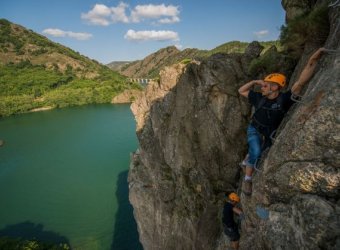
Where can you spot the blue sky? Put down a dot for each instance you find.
(107, 30)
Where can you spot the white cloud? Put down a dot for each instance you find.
(61, 33)
(54, 32)
(78, 35)
(261, 33)
(103, 15)
(151, 11)
(99, 15)
(147, 35)
(118, 13)
(174, 19)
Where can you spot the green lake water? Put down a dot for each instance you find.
(63, 177)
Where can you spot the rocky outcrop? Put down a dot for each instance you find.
(295, 8)
(191, 128)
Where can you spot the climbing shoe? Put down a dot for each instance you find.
(243, 164)
(247, 187)
(245, 160)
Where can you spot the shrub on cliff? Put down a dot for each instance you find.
(271, 61)
(312, 26)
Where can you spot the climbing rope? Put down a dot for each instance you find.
(260, 160)
(335, 4)
(296, 98)
(272, 135)
(331, 51)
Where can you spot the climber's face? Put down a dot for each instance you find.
(268, 88)
(265, 88)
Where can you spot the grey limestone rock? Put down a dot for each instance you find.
(191, 128)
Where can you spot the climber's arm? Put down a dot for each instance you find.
(307, 72)
(237, 210)
(244, 90)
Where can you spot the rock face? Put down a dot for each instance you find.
(296, 8)
(298, 185)
(191, 128)
(192, 132)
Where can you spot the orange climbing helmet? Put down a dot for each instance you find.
(234, 197)
(277, 78)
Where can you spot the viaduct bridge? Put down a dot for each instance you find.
(143, 81)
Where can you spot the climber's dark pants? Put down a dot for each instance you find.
(232, 233)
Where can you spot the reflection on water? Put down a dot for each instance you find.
(123, 223)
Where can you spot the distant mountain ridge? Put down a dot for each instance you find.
(36, 73)
(150, 66)
(117, 65)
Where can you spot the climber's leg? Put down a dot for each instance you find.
(254, 152)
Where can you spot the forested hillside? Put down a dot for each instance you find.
(38, 73)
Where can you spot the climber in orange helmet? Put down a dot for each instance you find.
(270, 107)
(230, 228)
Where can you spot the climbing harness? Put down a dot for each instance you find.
(259, 125)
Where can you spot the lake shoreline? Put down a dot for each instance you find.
(41, 109)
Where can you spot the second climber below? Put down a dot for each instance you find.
(270, 107)
(229, 225)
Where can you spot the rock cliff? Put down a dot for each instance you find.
(298, 185)
(191, 127)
